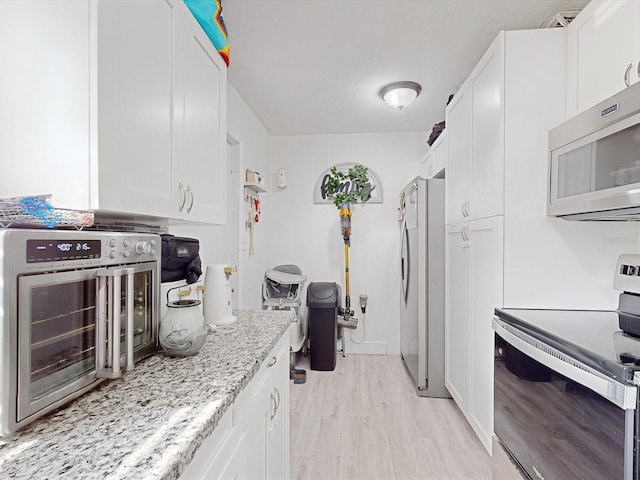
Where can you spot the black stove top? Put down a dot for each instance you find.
(592, 337)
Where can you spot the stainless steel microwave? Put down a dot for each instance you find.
(75, 308)
(594, 162)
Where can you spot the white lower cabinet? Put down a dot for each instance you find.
(457, 313)
(474, 287)
(252, 438)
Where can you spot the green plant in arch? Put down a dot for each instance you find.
(349, 188)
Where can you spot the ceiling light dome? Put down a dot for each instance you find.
(400, 94)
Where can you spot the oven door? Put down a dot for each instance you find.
(60, 316)
(558, 418)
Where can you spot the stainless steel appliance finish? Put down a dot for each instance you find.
(565, 401)
(76, 308)
(422, 289)
(594, 162)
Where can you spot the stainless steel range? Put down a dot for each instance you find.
(565, 398)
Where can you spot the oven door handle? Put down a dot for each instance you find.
(624, 396)
(108, 327)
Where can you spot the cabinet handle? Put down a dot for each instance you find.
(275, 398)
(626, 74)
(272, 362)
(190, 193)
(638, 69)
(465, 209)
(274, 408)
(184, 196)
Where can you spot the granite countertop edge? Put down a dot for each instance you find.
(150, 422)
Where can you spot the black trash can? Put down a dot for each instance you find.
(323, 300)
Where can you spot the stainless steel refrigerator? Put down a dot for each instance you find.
(422, 289)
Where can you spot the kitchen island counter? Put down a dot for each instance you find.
(149, 423)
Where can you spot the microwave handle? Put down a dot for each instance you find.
(108, 361)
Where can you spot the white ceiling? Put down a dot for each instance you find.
(316, 66)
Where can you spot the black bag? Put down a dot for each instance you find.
(180, 259)
(438, 128)
(435, 132)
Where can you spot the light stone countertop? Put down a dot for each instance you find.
(149, 423)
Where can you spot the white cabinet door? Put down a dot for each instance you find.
(44, 99)
(603, 48)
(486, 293)
(487, 135)
(254, 445)
(203, 174)
(265, 447)
(458, 177)
(440, 153)
(277, 447)
(252, 438)
(426, 165)
(457, 319)
(136, 50)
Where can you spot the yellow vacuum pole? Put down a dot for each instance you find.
(346, 270)
(348, 321)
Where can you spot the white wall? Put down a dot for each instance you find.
(549, 262)
(308, 235)
(253, 141)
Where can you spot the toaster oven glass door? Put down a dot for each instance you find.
(58, 318)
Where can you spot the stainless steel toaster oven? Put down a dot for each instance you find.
(76, 308)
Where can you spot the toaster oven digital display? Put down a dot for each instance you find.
(60, 250)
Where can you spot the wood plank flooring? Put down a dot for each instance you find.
(364, 421)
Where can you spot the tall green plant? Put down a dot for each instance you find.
(349, 188)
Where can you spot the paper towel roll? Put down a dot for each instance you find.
(216, 300)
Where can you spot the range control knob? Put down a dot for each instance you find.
(113, 254)
(143, 247)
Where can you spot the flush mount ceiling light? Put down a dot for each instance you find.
(400, 94)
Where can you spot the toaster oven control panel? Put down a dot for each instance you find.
(39, 251)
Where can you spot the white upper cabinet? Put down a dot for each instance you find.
(603, 52)
(204, 132)
(135, 105)
(44, 93)
(487, 135)
(475, 121)
(426, 165)
(440, 155)
(458, 177)
(119, 106)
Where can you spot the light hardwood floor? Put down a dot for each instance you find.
(364, 421)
